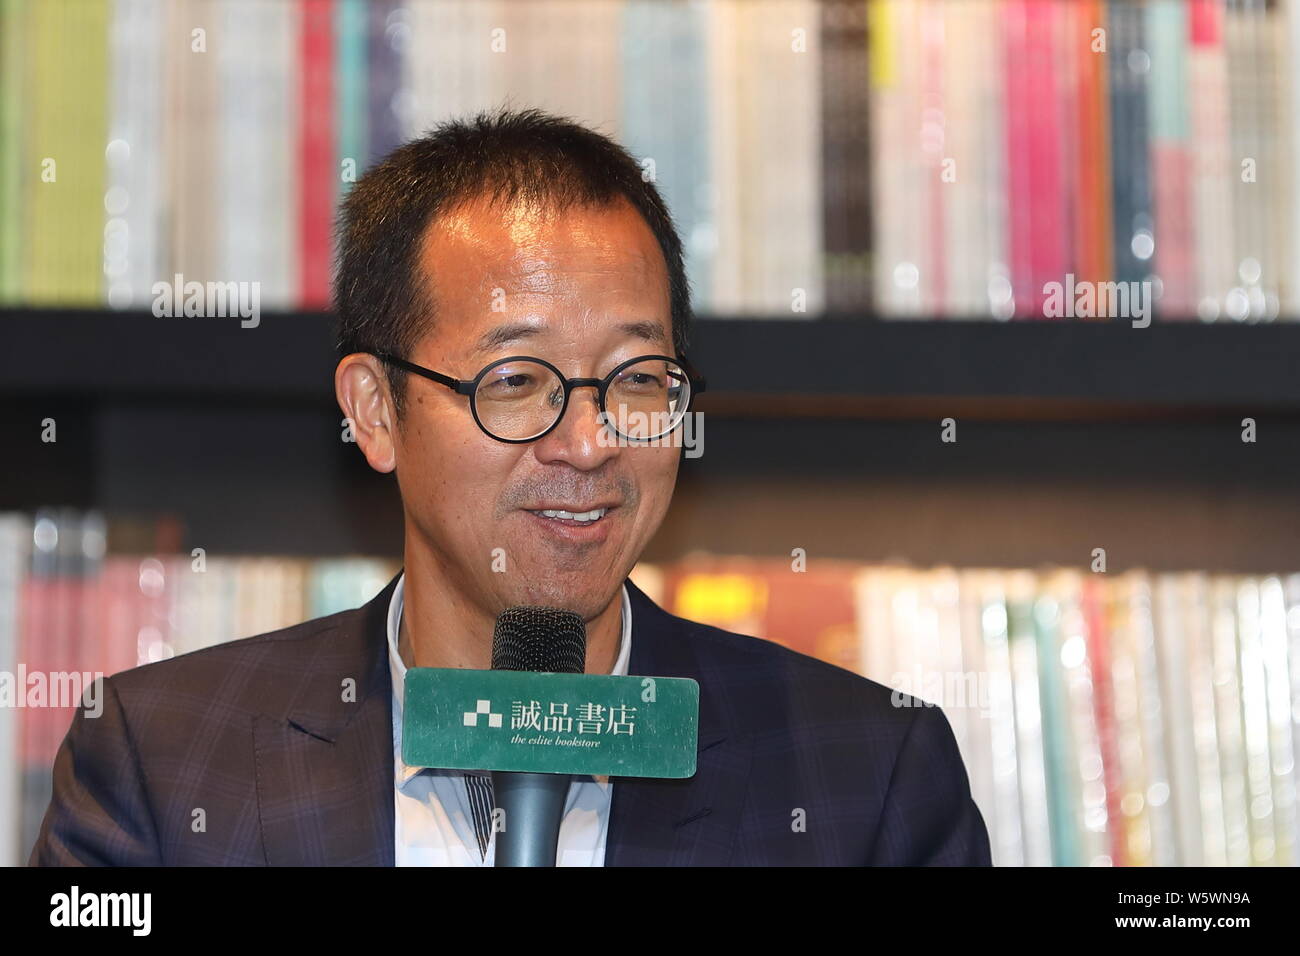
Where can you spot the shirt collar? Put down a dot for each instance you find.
(397, 667)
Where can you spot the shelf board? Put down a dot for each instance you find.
(756, 367)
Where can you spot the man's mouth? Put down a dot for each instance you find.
(575, 518)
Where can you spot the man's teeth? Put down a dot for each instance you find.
(574, 515)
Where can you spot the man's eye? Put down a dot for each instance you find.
(513, 384)
(641, 381)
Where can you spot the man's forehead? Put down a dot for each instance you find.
(505, 229)
(517, 246)
(500, 274)
(508, 333)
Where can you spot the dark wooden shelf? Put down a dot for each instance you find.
(822, 434)
(767, 368)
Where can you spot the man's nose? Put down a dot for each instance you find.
(581, 437)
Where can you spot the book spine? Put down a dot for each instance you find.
(1275, 53)
(665, 118)
(115, 601)
(65, 146)
(990, 125)
(436, 80)
(904, 631)
(132, 254)
(1097, 619)
(1136, 755)
(1042, 137)
(350, 49)
(1224, 649)
(900, 233)
(932, 149)
(387, 30)
(1030, 741)
(976, 743)
(1094, 253)
(958, 172)
(953, 687)
(317, 180)
(1084, 775)
(39, 635)
(1018, 132)
(1254, 190)
(194, 47)
(871, 602)
(1199, 641)
(1151, 707)
(1131, 184)
(1281, 778)
(258, 228)
(836, 96)
(14, 172)
(1213, 170)
(1173, 620)
(1009, 849)
(1167, 32)
(15, 557)
(690, 200)
(1291, 635)
(886, 119)
(793, 178)
(725, 148)
(1052, 629)
(1289, 120)
(1255, 724)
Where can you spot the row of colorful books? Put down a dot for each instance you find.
(70, 608)
(1104, 719)
(1027, 152)
(963, 158)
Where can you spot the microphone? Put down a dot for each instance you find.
(534, 639)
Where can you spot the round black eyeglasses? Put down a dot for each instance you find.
(521, 398)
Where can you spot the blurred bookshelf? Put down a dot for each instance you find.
(1127, 719)
(1065, 431)
(891, 158)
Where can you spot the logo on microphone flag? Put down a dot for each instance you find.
(484, 707)
(598, 724)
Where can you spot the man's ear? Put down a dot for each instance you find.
(361, 388)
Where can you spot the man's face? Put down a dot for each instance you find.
(585, 290)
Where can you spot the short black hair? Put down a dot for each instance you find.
(507, 155)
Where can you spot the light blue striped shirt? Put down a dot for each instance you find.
(433, 824)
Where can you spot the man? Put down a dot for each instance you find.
(479, 268)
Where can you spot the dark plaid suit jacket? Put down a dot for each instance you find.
(256, 735)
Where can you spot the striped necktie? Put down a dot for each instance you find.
(479, 788)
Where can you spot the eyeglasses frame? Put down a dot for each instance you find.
(468, 387)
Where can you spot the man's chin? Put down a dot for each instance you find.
(587, 596)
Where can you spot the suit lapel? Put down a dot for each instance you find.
(325, 766)
(690, 822)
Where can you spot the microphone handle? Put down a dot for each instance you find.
(533, 805)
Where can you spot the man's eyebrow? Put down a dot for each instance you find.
(515, 331)
(649, 331)
(505, 334)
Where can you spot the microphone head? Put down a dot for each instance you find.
(539, 639)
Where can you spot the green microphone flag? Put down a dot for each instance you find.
(598, 724)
